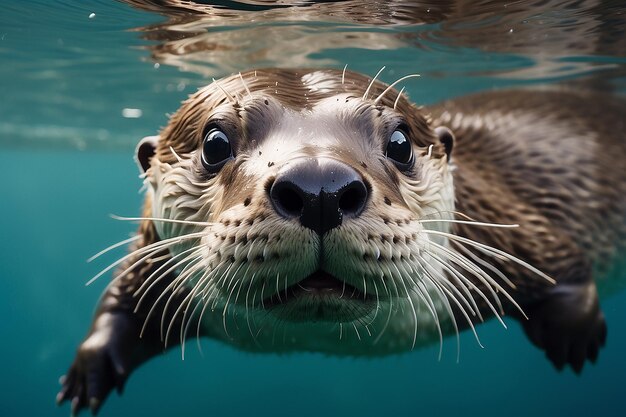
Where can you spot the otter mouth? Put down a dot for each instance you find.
(320, 297)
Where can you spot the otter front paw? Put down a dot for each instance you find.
(569, 325)
(103, 362)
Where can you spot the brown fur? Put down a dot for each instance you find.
(551, 162)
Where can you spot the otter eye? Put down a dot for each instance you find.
(399, 150)
(216, 150)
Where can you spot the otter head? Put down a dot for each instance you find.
(309, 202)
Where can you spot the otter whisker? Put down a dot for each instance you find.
(377, 302)
(471, 223)
(364, 288)
(178, 158)
(388, 319)
(184, 304)
(422, 292)
(145, 253)
(356, 331)
(464, 284)
(115, 245)
(491, 249)
(158, 300)
(243, 280)
(152, 248)
(233, 282)
(425, 297)
(247, 309)
(209, 283)
(408, 297)
(393, 281)
(343, 74)
(392, 85)
(395, 103)
(467, 298)
(150, 281)
(199, 326)
(262, 296)
(444, 299)
(232, 99)
(252, 303)
(277, 290)
(200, 286)
(456, 213)
(158, 258)
(159, 219)
(481, 275)
(174, 288)
(218, 281)
(225, 311)
(245, 85)
(195, 293)
(187, 324)
(367, 91)
(451, 296)
(486, 264)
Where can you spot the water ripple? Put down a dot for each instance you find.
(78, 65)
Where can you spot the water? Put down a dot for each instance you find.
(66, 151)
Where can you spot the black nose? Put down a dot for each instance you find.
(318, 191)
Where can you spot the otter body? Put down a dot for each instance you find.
(320, 210)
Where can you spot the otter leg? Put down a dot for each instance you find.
(568, 324)
(113, 347)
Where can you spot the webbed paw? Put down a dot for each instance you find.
(102, 362)
(568, 325)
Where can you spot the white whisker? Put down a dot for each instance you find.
(150, 249)
(178, 158)
(245, 85)
(367, 91)
(471, 223)
(491, 249)
(395, 103)
(115, 245)
(481, 275)
(157, 219)
(393, 85)
(226, 93)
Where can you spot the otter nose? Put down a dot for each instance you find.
(318, 191)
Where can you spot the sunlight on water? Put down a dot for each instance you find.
(84, 81)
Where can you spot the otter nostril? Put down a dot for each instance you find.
(290, 201)
(286, 198)
(353, 198)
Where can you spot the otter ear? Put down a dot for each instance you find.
(144, 151)
(446, 137)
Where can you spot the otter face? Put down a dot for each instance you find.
(297, 202)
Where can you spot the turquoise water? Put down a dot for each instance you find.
(66, 151)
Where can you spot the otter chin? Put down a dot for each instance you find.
(293, 210)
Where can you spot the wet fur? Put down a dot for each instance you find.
(538, 160)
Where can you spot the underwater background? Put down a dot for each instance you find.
(81, 82)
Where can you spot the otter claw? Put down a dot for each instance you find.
(101, 364)
(568, 325)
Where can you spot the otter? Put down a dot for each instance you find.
(321, 210)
